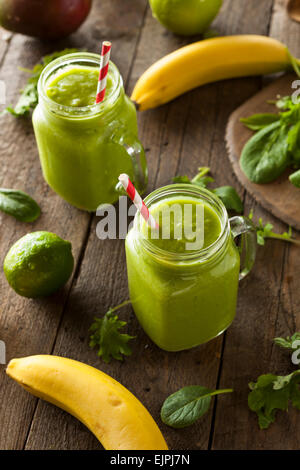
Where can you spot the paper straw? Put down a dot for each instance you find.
(104, 64)
(137, 200)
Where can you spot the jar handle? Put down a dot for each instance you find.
(243, 227)
(136, 152)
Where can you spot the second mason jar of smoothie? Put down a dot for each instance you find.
(184, 293)
(84, 146)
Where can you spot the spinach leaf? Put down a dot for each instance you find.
(230, 198)
(19, 204)
(295, 178)
(259, 121)
(265, 156)
(187, 405)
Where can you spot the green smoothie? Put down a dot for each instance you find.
(181, 297)
(207, 229)
(76, 86)
(84, 146)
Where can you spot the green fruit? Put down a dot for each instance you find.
(38, 264)
(186, 17)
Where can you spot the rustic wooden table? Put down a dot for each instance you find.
(178, 138)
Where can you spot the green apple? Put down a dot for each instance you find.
(186, 17)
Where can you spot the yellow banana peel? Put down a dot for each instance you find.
(112, 413)
(208, 61)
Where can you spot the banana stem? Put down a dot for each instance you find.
(295, 63)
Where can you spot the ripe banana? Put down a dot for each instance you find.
(109, 410)
(208, 61)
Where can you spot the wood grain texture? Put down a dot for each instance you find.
(280, 197)
(178, 138)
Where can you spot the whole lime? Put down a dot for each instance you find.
(186, 17)
(38, 264)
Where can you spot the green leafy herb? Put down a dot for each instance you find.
(264, 231)
(106, 336)
(227, 194)
(19, 204)
(230, 198)
(271, 393)
(295, 178)
(288, 342)
(259, 121)
(187, 405)
(265, 156)
(283, 103)
(275, 146)
(29, 94)
(181, 179)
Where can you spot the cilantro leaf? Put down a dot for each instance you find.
(106, 336)
(288, 342)
(29, 94)
(271, 393)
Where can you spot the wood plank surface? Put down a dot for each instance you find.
(178, 138)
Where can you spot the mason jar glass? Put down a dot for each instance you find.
(84, 149)
(185, 299)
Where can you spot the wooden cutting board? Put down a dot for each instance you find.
(281, 198)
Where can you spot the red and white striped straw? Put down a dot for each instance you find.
(104, 63)
(137, 200)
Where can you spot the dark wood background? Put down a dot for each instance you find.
(178, 138)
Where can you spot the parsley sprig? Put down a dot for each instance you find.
(106, 336)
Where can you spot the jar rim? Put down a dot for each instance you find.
(71, 111)
(203, 254)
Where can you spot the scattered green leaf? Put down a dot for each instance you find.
(19, 204)
(227, 194)
(106, 336)
(187, 405)
(288, 342)
(271, 393)
(259, 121)
(29, 94)
(295, 178)
(264, 231)
(230, 198)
